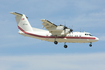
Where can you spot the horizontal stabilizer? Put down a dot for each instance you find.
(17, 14)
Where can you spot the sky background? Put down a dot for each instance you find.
(24, 53)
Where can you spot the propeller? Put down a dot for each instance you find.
(65, 27)
(71, 30)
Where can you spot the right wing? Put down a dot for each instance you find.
(47, 24)
(54, 29)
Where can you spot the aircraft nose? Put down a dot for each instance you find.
(97, 39)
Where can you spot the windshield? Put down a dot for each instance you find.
(88, 34)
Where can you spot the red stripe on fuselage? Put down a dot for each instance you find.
(68, 37)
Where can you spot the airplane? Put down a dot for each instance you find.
(55, 33)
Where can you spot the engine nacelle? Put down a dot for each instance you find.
(66, 31)
(58, 28)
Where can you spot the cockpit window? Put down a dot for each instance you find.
(88, 34)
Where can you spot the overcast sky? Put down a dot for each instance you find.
(24, 53)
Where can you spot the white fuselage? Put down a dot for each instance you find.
(54, 34)
(73, 37)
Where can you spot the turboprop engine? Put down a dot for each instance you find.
(60, 30)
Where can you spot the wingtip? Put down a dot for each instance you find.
(11, 12)
(43, 20)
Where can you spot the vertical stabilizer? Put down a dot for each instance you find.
(22, 21)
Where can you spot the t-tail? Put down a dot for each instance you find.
(22, 22)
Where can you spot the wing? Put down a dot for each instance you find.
(54, 29)
(47, 24)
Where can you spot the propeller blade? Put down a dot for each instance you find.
(71, 30)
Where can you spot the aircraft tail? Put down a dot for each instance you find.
(22, 22)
